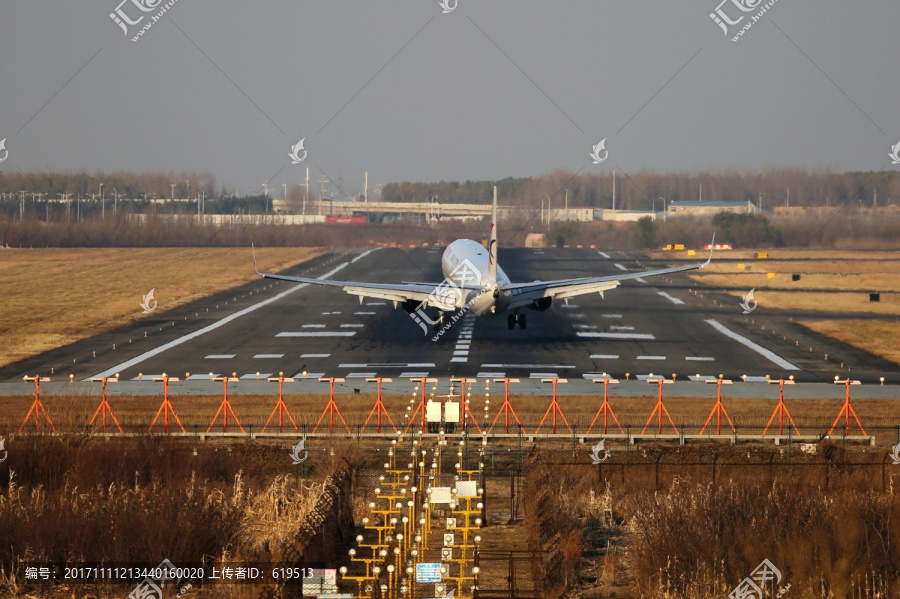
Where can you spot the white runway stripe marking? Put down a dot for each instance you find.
(376, 303)
(604, 356)
(363, 313)
(592, 335)
(674, 300)
(251, 376)
(584, 326)
(527, 366)
(611, 315)
(699, 358)
(640, 280)
(211, 327)
(310, 376)
(317, 334)
(361, 375)
(312, 326)
(351, 326)
(364, 254)
(543, 375)
(414, 375)
(619, 328)
(459, 359)
(390, 365)
(769, 355)
(267, 356)
(315, 355)
(219, 356)
(569, 306)
(650, 358)
(490, 375)
(604, 254)
(620, 267)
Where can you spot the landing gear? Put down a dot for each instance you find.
(440, 323)
(521, 321)
(512, 319)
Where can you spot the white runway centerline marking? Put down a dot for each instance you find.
(364, 254)
(312, 326)
(604, 356)
(376, 303)
(267, 356)
(674, 300)
(363, 313)
(645, 336)
(611, 315)
(252, 376)
(527, 366)
(584, 326)
(211, 327)
(640, 280)
(569, 306)
(317, 334)
(310, 376)
(543, 375)
(620, 328)
(390, 365)
(351, 326)
(361, 375)
(315, 355)
(769, 355)
(604, 254)
(699, 358)
(620, 267)
(219, 356)
(650, 358)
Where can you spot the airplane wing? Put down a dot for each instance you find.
(444, 296)
(524, 294)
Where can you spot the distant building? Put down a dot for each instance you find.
(574, 214)
(702, 209)
(535, 240)
(625, 215)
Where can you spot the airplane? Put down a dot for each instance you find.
(474, 280)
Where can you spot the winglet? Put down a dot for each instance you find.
(254, 260)
(711, 244)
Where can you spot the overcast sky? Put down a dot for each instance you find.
(492, 89)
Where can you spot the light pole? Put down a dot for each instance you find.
(102, 203)
(266, 194)
(172, 185)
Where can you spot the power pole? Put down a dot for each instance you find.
(366, 189)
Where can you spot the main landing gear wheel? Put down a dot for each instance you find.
(521, 321)
(511, 321)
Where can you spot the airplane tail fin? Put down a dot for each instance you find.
(492, 246)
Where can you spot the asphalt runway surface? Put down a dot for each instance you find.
(647, 326)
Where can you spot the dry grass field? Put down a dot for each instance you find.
(52, 297)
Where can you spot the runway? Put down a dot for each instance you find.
(654, 326)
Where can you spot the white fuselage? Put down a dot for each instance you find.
(465, 262)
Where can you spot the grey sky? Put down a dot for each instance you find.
(493, 89)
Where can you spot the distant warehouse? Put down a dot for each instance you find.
(701, 209)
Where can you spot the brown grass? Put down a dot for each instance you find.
(877, 337)
(52, 297)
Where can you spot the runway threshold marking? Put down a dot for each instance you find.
(555, 366)
(604, 254)
(674, 300)
(211, 327)
(768, 354)
(620, 267)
